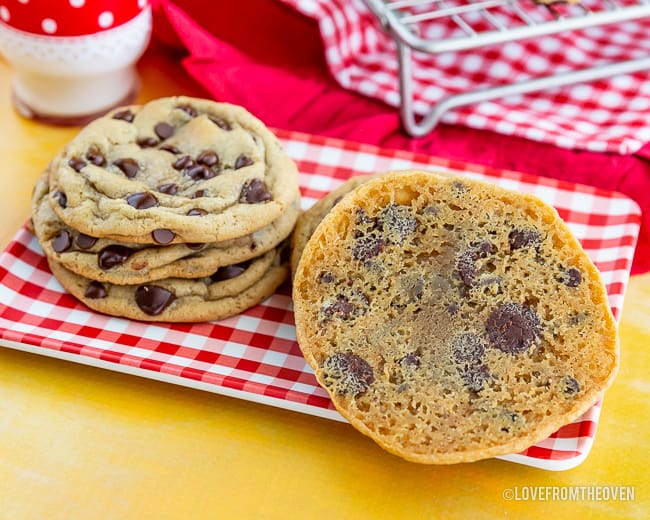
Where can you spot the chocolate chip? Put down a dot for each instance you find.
(147, 142)
(183, 162)
(326, 277)
(143, 200)
(452, 309)
(341, 308)
(95, 157)
(348, 373)
(254, 191)
(398, 222)
(163, 130)
(189, 110)
(468, 348)
(169, 148)
(199, 193)
(85, 241)
(169, 188)
(520, 238)
(475, 376)
(162, 236)
(208, 157)
(367, 246)
(61, 198)
(221, 123)
(200, 172)
(113, 255)
(572, 277)
(569, 385)
(195, 246)
(128, 166)
(62, 242)
(513, 328)
(227, 272)
(95, 291)
(153, 299)
(76, 164)
(411, 360)
(466, 262)
(196, 212)
(124, 115)
(242, 161)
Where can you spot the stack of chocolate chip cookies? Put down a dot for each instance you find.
(176, 210)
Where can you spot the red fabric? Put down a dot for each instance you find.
(267, 57)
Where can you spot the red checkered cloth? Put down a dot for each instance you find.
(602, 116)
(254, 355)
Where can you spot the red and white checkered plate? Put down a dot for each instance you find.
(254, 356)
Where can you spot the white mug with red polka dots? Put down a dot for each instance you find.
(73, 59)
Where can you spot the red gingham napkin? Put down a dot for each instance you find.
(603, 116)
(255, 355)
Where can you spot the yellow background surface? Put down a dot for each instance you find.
(84, 443)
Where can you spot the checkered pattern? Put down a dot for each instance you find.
(603, 116)
(254, 355)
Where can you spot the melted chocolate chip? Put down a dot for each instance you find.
(76, 164)
(208, 157)
(475, 376)
(221, 123)
(95, 291)
(367, 246)
(124, 115)
(128, 166)
(169, 148)
(95, 157)
(61, 198)
(227, 272)
(163, 130)
(326, 277)
(466, 262)
(189, 110)
(468, 348)
(169, 188)
(85, 241)
(196, 212)
(398, 222)
(254, 191)
(113, 255)
(411, 360)
(572, 277)
(200, 172)
(348, 373)
(569, 385)
(183, 162)
(153, 299)
(162, 236)
(513, 328)
(242, 161)
(147, 142)
(341, 308)
(199, 193)
(62, 242)
(520, 238)
(143, 200)
(195, 246)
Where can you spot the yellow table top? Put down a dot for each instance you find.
(78, 442)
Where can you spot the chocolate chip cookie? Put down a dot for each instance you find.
(452, 320)
(175, 170)
(123, 263)
(228, 291)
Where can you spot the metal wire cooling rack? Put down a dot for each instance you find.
(479, 23)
